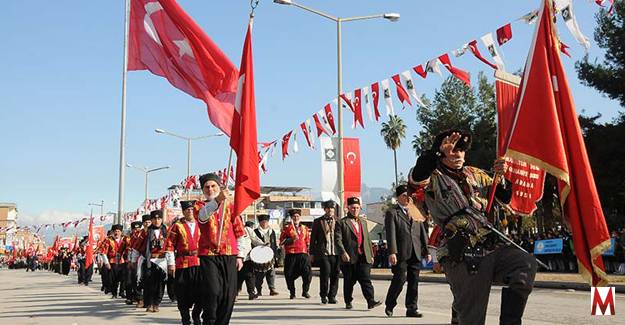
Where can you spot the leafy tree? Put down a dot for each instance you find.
(455, 105)
(608, 76)
(393, 132)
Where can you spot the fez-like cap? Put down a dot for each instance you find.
(262, 217)
(186, 204)
(210, 177)
(136, 224)
(293, 212)
(117, 227)
(463, 144)
(145, 217)
(329, 204)
(353, 200)
(156, 214)
(249, 224)
(401, 189)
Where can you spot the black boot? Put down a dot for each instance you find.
(184, 315)
(512, 306)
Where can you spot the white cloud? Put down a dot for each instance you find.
(48, 217)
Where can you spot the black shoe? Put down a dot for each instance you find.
(324, 300)
(129, 302)
(332, 300)
(413, 313)
(253, 296)
(306, 295)
(388, 312)
(348, 305)
(292, 296)
(373, 304)
(259, 293)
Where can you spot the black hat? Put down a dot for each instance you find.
(145, 217)
(85, 238)
(353, 200)
(463, 144)
(401, 189)
(117, 227)
(329, 204)
(135, 225)
(293, 212)
(262, 217)
(156, 214)
(209, 177)
(186, 204)
(249, 224)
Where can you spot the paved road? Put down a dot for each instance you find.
(46, 298)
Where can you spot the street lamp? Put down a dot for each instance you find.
(101, 205)
(388, 16)
(188, 139)
(146, 171)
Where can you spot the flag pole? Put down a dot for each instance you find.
(122, 139)
(225, 202)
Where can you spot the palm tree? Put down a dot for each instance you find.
(393, 132)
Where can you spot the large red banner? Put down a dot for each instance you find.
(527, 179)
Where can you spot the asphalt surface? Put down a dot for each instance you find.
(47, 298)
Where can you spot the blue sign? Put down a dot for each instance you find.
(610, 250)
(9, 248)
(548, 246)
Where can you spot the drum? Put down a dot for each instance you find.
(262, 257)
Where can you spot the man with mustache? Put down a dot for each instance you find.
(471, 253)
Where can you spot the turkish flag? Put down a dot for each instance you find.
(90, 243)
(285, 144)
(504, 34)
(458, 73)
(375, 97)
(243, 139)
(351, 167)
(547, 133)
(402, 94)
(358, 108)
(166, 41)
(477, 54)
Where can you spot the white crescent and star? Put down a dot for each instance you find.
(183, 44)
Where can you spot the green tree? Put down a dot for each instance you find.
(456, 105)
(608, 76)
(393, 132)
(606, 152)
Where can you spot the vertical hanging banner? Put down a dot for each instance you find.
(527, 179)
(329, 168)
(351, 161)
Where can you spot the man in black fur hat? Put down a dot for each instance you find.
(471, 253)
(323, 252)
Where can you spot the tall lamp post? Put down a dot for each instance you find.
(147, 172)
(101, 205)
(339, 21)
(189, 140)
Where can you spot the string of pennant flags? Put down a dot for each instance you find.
(368, 98)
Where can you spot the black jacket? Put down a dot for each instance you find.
(346, 240)
(318, 241)
(404, 235)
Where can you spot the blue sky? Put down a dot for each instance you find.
(60, 90)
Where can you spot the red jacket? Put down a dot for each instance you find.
(142, 241)
(115, 250)
(209, 232)
(184, 243)
(301, 239)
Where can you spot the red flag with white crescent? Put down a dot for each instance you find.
(243, 138)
